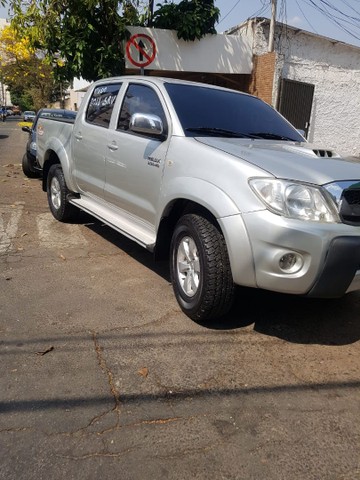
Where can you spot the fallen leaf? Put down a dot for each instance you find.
(144, 372)
(62, 257)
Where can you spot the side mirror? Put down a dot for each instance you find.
(26, 129)
(147, 124)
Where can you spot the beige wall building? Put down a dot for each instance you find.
(4, 94)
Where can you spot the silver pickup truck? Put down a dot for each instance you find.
(213, 179)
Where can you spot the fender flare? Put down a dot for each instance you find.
(55, 146)
(198, 191)
(228, 215)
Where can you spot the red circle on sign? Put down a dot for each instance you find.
(137, 42)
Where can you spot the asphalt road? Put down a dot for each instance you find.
(102, 376)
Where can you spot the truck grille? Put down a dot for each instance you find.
(347, 198)
(350, 207)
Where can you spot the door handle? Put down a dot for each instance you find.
(78, 136)
(112, 146)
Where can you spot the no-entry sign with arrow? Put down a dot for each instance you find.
(141, 50)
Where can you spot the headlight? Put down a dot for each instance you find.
(295, 200)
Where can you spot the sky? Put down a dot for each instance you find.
(297, 13)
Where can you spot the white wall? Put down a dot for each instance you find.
(334, 68)
(212, 54)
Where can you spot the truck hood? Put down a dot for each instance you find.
(290, 160)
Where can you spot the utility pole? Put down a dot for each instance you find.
(3, 98)
(151, 12)
(272, 26)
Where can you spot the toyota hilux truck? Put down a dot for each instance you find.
(212, 179)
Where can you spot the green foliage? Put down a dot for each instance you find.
(22, 99)
(24, 70)
(191, 18)
(82, 37)
(86, 38)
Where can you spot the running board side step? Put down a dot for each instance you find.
(119, 220)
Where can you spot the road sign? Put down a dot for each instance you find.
(141, 50)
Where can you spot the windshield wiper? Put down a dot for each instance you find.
(220, 132)
(272, 136)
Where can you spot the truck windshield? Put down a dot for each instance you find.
(205, 111)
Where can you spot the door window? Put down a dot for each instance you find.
(101, 104)
(140, 99)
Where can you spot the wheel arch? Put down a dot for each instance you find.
(189, 195)
(57, 154)
(231, 226)
(51, 158)
(172, 213)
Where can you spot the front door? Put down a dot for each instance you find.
(135, 162)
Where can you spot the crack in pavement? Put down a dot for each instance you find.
(104, 367)
(14, 430)
(98, 454)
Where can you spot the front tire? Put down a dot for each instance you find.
(57, 193)
(200, 268)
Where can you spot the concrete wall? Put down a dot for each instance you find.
(332, 66)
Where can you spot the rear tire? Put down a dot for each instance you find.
(57, 193)
(28, 167)
(200, 269)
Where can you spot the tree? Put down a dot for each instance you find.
(191, 18)
(27, 75)
(89, 35)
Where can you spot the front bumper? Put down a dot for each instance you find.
(330, 255)
(341, 270)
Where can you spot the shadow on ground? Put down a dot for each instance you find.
(289, 317)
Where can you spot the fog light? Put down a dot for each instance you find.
(291, 262)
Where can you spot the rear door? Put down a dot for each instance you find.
(89, 139)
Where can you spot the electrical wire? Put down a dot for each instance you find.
(257, 13)
(236, 4)
(305, 17)
(347, 23)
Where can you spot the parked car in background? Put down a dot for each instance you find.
(29, 116)
(9, 112)
(30, 166)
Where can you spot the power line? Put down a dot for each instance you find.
(257, 13)
(261, 10)
(347, 23)
(305, 17)
(236, 4)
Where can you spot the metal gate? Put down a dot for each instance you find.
(295, 103)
